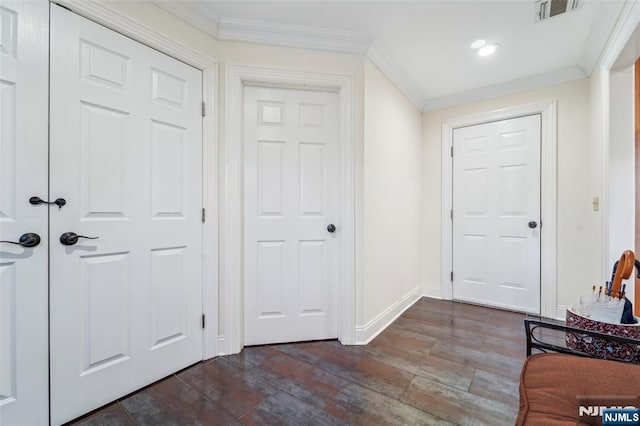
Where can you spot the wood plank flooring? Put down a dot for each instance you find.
(440, 362)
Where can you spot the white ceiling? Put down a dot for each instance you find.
(423, 46)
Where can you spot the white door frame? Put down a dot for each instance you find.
(548, 200)
(620, 36)
(232, 209)
(102, 14)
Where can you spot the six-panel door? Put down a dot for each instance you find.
(126, 154)
(24, 45)
(496, 214)
(290, 197)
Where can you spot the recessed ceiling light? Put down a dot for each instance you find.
(478, 44)
(487, 49)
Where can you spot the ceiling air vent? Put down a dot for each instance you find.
(546, 9)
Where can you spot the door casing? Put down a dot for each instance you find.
(232, 209)
(548, 203)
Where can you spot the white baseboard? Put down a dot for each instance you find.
(222, 346)
(366, 333)
(433, 291)
(561, 312)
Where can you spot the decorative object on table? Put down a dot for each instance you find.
(595, 345)
(606, 311)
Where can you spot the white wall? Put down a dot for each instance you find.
(392, 192)
(575, 233)
(621, 164)
(597, 164)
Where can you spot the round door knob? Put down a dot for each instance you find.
(70, 238)
(331, 228)
(533, 224)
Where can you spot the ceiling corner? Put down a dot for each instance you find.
(533, 82)
(379, 57)
(201, 17)
(600, 34)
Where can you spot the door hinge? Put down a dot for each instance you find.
(203, 214)
(451, 276)
(451, 151)
(203, 321)
(451, 214)
(204, 109)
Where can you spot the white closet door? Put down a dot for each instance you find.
(291, 142)
(496, 214)
(24, 44)
(126, 154)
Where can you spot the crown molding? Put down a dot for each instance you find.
(608, 14)
(195, 13)
(627, 23)
(378, 56)
(101, 13)
(292, 36)
(507, 88)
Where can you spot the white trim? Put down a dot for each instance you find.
(548, 197)
(381, 59)
(608, 13)
(300, 36)
(433, 291)
(369, 331)
(561, 312)
(231, 220)
(222, 343)
(102, 14)
(210, 202)
(604, 189)
(506, 88)
(622, 32)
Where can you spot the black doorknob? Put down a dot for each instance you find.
(533, 224)
(30, 239)
(331, 228)
(70, 238)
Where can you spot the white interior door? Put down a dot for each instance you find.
(126, 154)
(290, 199)
(24, 44)
(496, 214)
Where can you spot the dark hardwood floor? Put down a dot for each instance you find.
(439, 363)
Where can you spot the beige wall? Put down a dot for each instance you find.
(392, 192)
(576, 233)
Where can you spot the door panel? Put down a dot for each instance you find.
(496, 193)
(290, 198)
(23, 173)
(126, 154)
